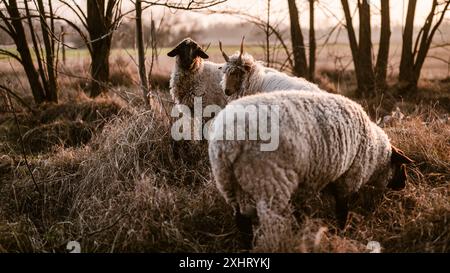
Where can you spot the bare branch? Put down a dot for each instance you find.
(192, 4)
(17, 97)
(439, 59)
(10, 54)
(439, 22)
(260, 23)
(78, 12)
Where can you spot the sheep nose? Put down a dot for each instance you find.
(228, 92)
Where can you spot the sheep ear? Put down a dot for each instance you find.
(202, 54)
(174, 52)
(399, 157)
(247, 67)
(398, 182)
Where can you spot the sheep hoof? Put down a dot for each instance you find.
(341, 206)
(245, 227)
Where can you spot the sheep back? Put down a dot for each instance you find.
(323, 138)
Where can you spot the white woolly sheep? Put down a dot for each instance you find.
(324, 140)
(193, 77)
(243, 76)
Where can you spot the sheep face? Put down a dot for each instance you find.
(398, 169)
(233, 79)
(236, 71)
(188, 54)
(393, 174)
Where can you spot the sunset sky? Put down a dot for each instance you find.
(327, 12)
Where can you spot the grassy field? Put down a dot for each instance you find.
(108, 175)
(333, 56)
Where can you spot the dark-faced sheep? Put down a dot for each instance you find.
(194, 77)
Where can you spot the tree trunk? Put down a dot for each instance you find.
(312, 42)
(25, 54)
(36, 47)
(413, 58)
(406, 74)
(427, 38)
(352, 41)
(298, 44)
(383, 50)
(63, 44)
(98, 28)
(100, 68)
(51, 92)
(351, 33)
(367, 86)
(141, 52)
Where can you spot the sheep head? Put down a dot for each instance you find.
(398, 168)
(188, 53)
(391, 170)
(236, 70)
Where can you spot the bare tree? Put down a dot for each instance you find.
(298, 44)
(268, 33)
(365, 49)
(141, 51)
(362, 49)
(100, 20)
(49, 43)
(43, 82)
(301, 67)
(274, 33)
(312, 42)
(383, 50)
(413, 58)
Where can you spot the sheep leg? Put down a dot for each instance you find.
(245, 228)
(341, 205)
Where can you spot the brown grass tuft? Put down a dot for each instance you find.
(59, 133)
(132, 188)
(133, 191)
(286, 235)
(84, 109)
(122, 73)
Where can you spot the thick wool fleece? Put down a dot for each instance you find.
(261, 79)
(324, 138)
(202, 80)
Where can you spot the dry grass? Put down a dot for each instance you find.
(414, 220)
(122, 72)
(59, 133)
(66, 124)
(131, 188)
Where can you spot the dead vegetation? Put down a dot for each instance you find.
(110, 176)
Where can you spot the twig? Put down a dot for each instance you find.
(24, 154)
(19, 99)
